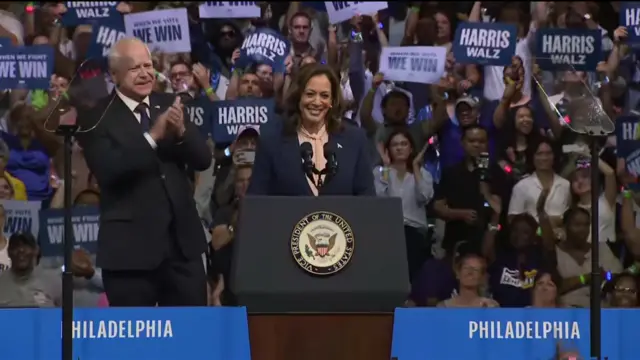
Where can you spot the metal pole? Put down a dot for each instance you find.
(596, 276)
(67, 132)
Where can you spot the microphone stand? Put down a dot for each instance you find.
(67, 131)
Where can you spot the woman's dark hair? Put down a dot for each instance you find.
(553, 274)
(532, 149)
(525, 218)
(573, 212)
(508, 136)
(292, 101)
(404, 132)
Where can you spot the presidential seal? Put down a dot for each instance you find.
(322, 243)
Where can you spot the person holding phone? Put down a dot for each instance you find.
(468, 195)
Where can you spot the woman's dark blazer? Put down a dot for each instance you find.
(277, 169)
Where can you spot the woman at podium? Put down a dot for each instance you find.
(314, 154)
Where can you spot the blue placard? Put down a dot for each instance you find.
(628, 144)
(128, 333)
(104, 36)
(264, 46)
(505, 334)
(4, 42)
(199, 113)
(630, 17)
(568, 49)
(85, 221)
(89, 12)
(485, 43)
(26, 67)
(229, 115)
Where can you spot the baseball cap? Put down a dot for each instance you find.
(244, 130)
(472, 101)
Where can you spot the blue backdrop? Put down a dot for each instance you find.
(128, 333)
(496, 334)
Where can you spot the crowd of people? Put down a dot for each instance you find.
(495, 186)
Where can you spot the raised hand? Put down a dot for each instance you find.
(175, 117)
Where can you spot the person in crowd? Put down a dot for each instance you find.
(145, 175)
(630, 221)
(14, 188)
(299, 28)
(469, 192)
(224, 229)
(241, 152)
(314, 117)
(190, 80)
(25, 284)
(5, 260)
(623, 291)
(526, 192)
(512, 271)
(437, 279)
(471, 278)
(30, 149)
(573, 255)
(545, 292)
(405, 177)
(581, 193)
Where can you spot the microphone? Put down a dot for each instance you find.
(306, 153)
(331, 168)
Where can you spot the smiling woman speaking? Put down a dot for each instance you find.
(315, 154)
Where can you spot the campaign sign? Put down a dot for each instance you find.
(21, 216)
(89, 12)
(628, 145)
(505, 334)
(199, 113)
(340, 11)
(630, 17)
(568, 49)
(419, 64)
(103, 36)
(4, 42)
(229, 115)
(162, 30)
(128, 333)
(229, 9)
(26, 67)
(85, 222)
(264, 46)
(485, 43)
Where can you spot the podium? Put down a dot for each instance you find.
(320, 277)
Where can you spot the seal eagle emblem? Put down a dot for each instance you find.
(322, 243)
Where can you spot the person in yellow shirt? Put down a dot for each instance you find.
(19, 190)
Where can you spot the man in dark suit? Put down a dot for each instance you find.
(138, 144)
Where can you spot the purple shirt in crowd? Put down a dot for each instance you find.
(435, 282)
(31, 166)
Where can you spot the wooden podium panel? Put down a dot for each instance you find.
(321, 336)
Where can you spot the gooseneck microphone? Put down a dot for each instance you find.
(306, 153)
(331, 169)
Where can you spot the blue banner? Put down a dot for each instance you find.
(199, 113)
(128, 333)
(485, 43)
(85, 221)
(568, 49)
(506, 334)
(628, 144)
(4, 42)
(630, 17)
(264, 46)
(26, 67)
(104, 36)
(89, 12)
(229, 115)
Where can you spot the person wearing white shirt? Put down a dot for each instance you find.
(526, 192)
(581, 190)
